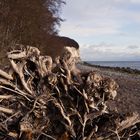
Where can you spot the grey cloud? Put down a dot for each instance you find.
(133, 47)
(109, 53)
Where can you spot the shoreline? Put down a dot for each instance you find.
(120, 69)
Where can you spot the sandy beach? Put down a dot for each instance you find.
(128, 97)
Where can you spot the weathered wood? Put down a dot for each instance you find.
(56, 101)
(5, 96)
(6, 110)
(5, 75)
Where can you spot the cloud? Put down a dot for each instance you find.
(92, 17)
(114, 21)
(127, 1)
(108, 52)
(85, 31)
(135, 1)
(133, 47)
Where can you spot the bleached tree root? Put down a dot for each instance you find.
(42, 100)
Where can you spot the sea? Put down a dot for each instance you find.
(125, 64)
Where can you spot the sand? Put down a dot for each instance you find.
(128, 97)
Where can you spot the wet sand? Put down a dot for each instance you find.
(128, 97)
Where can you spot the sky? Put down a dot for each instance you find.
(106, 30)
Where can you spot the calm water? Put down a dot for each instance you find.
(130, 64)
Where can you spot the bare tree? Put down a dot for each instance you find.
(28, 21)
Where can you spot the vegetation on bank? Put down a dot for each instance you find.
(28, 22)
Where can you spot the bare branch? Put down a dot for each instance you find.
(5, 75)
(6, 96)
(6, 110)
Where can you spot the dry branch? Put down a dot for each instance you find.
(5, 96)
(128, 122)
(6, 110)
(5, 75)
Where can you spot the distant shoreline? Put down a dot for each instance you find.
(120, 69)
